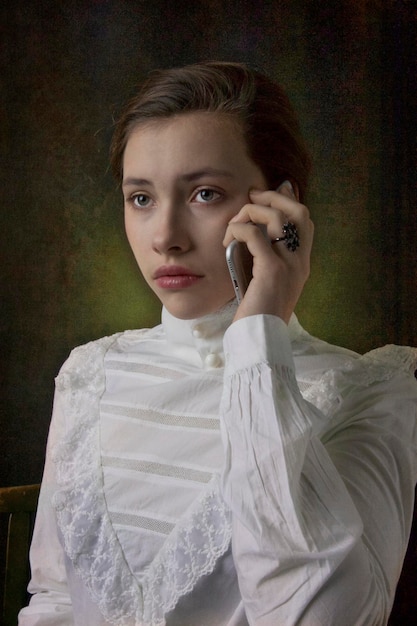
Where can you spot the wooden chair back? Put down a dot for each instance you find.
(19, 503)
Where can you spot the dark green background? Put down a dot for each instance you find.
(68, 274)
(68, 277)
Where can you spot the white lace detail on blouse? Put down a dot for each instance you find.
(398, 357)
(200, 537)
(380, 364)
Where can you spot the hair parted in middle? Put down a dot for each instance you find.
(259, 106)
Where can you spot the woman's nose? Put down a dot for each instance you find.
(171, 233)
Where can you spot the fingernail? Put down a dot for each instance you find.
(288, 186)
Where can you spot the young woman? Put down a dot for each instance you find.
(225, 467)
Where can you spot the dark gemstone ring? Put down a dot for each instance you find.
(291, 238)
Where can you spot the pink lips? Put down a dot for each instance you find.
(175, 277)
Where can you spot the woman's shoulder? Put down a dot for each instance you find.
(350, 388)
(393, 357)
(328, 373)
(85, 362)
(385, 361)
(379, 364)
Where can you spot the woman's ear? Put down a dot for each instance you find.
(289, 189)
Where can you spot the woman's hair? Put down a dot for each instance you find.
(260, 106)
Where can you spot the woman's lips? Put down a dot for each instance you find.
(175, 277)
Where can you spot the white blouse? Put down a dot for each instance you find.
(197, 477)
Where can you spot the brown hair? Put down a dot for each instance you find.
(261, 107)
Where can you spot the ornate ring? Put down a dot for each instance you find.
(291, 238)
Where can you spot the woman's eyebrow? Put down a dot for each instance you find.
(189, 177)
(208, 171)
(135, 181)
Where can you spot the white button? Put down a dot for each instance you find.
(213, 360)
(197, 333)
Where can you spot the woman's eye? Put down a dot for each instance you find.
(207, 195)
(141, 200)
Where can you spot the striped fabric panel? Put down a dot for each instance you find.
(144, 368)
(159, 469)
(167, 419)
(140, 521)
(305, 386)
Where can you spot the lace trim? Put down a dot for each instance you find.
(397, 357)
(204, 532)
(89, 540)
(378, 365)
(189, 552)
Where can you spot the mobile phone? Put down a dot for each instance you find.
(239, 259)
(240, 262)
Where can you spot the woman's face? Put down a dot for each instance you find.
(184, 178)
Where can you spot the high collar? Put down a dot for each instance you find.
(187, 331)
(205, 334)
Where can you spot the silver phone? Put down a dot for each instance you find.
(240, 262)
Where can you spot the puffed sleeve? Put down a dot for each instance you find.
(51, 604)
(320, 521)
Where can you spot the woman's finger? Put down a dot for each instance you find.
(248, 232)
(273, 219)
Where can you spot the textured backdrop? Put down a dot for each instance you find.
(68, 277)
(68, 274)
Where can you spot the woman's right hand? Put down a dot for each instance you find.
(279, 274)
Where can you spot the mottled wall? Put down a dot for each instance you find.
(68, 277)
